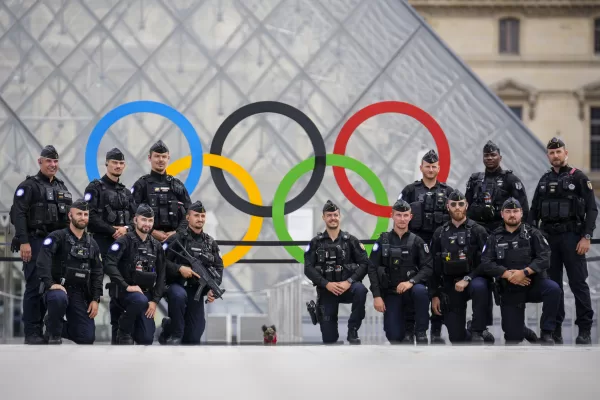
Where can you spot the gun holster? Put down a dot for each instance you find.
(313, 311)
(496, 290)
(113, 290)
(444, 303)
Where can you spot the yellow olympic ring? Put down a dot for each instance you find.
(213, 160)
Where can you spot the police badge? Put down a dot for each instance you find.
(589, 185)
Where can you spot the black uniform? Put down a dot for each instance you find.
(130, 262)
(40, 206)
(396, 259)
(75, 264)
(342, 259)
(565, 203)
(457, 256)
(487, 191)
(525, 247)
(186, 315)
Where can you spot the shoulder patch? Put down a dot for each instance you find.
(545, 241)
(87, 196)
(518, 185)
(20, 192)
(361, 245)
(400, 197)
(48, 241)
(131, 190)
(589, 185)
(375, 246)
(307, 248)
(426, 248)
(115, 247)
(164, 246)
(100, 257)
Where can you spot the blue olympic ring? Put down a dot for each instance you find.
(91, 150)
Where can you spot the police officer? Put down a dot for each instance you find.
(186, 321)
(136, 265)
(564, 202)
(111, 211)
(166, 194)
(70, 268)
(517, 255)
(457, 277)
(427, 198)
(401, 265)
(487, 191)
(336, 262)
(40, 206)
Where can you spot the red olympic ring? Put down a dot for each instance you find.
(382, 108)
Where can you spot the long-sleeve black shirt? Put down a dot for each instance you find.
(54, 252)
(540, 251)
(120, 268)
(422, 259)
(356, 255)
(97, 224)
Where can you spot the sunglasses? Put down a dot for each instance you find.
(457, 204)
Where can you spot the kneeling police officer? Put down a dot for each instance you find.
(71, 279)
(186, 321)
(400, 267)
(517, 255)
(135, 264)
(336, 262)
(457, 247)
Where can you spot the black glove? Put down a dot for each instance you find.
(15, 245)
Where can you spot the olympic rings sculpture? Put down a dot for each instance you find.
(317, 164)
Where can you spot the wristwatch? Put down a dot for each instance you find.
(350, 281)
(526, 272)
(412, 281)
(588, 236)
(467, 278)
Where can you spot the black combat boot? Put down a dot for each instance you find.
(409, 335)
(54, 339)
(530, 336)
(436, 338)
(173, 341)
(353, 336)
(557, 335)
(422, 338)
(37, 337)
(477, 338)
(585, 337)
(124, 338)
(164, 334)
(547, 338)
(487, 336)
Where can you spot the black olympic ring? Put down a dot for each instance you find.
(294, 114)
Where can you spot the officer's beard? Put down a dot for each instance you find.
(79, 225)
(458, 215)
(143, 229)
(512, 222)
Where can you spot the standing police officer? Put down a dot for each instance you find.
(136, 266)
(70, 268)
(564, 202)
(487, 191)
(336, 262)
(427, 198)
(111, 211)
(186, 321)
(40, 206)
(166, 194)
(400, 267)
(517, 255)
(457, 277)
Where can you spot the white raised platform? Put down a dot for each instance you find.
(298, 372)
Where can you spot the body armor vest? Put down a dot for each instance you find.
(429, 208)
(76, 266)
(52, 209)
(398, 262)
(489, 193)
(514, 254)
(559, 203)
(113, 203)
(144, 262)
(457, 255)
(331, 258)
(163, 197)
(199, 249)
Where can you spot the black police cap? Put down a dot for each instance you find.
(511, 203)
(330, 207)
(401, 205)
(159, 147)
(491, 147)
(456, 195)
(145, 211)
(555, 143)
(115, 154)
(431, 157)
(49, 152)
(197, 207)
(80, 204)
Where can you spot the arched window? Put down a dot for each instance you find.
(509, 36)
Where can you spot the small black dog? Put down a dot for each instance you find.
(269, 334)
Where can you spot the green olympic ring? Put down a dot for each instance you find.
(333, 160)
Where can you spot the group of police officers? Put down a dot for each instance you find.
(67, 246)
(445, 248)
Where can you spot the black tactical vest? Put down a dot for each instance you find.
(113, 203)
(559, 203)
(489, 193)
(429, 208)
(457, 254)
(52, 210)
(514, 254)
(398, 261)
(144, 262)
(76, 261)
(164, 197)
(330, 259)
